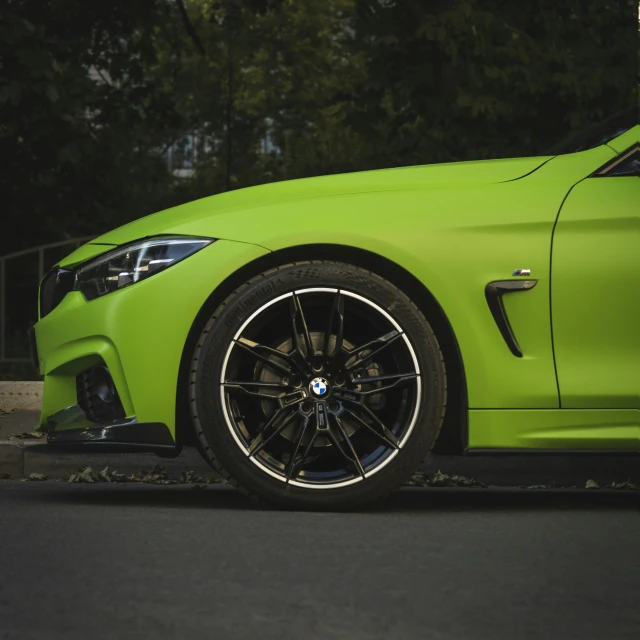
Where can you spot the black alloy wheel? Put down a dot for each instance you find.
(317, 385)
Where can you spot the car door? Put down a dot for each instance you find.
(595, 295)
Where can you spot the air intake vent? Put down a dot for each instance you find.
(98, 397)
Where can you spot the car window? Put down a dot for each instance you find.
(598, 134)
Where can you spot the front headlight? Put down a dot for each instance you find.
(132, 263)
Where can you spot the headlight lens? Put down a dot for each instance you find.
(132, 263)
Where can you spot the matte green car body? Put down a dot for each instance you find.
(455, 227)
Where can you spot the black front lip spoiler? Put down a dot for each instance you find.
(128, 436)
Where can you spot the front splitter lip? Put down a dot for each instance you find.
(123, 436)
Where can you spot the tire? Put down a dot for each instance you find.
(332, 415)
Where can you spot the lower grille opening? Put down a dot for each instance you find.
(98, 396)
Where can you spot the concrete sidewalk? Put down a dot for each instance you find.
(19, 458)
(20, 396)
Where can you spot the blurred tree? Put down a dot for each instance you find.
(265, 89)
(469, 79)
(93, 94)
(310, 65)
(79, 119)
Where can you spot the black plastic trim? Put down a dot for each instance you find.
(494, 292)
(33, 348)
(97, 395)
(118, 437)
(54, 287)
(609, 170)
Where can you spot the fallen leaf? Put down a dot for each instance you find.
(31, 435)
(591, 484)
(625, 484)
(104, 475)
(84, 475)
(118, 477)
(189, 477)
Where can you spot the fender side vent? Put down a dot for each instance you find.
(494, 292)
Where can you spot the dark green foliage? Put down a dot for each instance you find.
(469, 79)
(93, 93)
(79, 118)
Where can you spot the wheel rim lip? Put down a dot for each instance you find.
(319, 485)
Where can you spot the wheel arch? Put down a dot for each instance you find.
(453, 435)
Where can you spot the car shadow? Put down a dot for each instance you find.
(418, 500)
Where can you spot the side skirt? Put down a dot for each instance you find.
(554, 430)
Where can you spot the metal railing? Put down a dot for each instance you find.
(28, 288)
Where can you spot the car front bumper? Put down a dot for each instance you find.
(139, 333)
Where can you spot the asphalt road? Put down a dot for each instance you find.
(132, 561)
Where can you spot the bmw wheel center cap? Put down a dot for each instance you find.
(319, 387)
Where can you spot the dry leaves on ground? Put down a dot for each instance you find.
(31, 435)
(439, 479)
(157, 475)
(35, 477)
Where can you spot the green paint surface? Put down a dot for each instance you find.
(455, 227)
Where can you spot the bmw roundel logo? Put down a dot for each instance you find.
(319, 387)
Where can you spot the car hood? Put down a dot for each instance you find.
(212, 209)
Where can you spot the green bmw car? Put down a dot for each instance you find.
(316, 339)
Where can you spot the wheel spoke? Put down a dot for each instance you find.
(242, 386)
(401, 380)
(387, 376)
(259, 442)
(265, 427)
(256, 383)
(322, 416)
(298, 315)
(295, 466)
(257, 351)
(353, 459)
(294, 397)
(337, 312)
(384, 434)
(384, 341)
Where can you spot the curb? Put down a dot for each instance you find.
(21, 457)
(20, 396)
